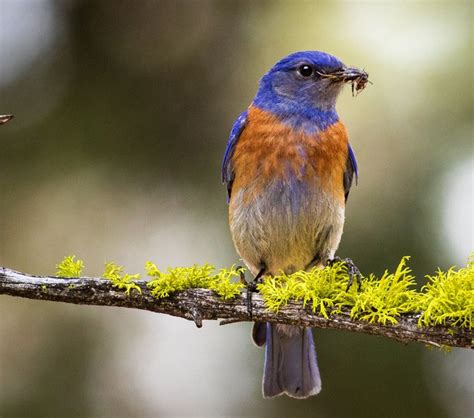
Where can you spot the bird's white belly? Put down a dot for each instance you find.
(285, 228)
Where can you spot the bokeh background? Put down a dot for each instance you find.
(122, 112)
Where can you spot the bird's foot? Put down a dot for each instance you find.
(251, 287)
(352, 271)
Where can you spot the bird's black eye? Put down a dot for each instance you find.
(305, 70)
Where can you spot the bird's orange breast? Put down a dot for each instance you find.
(269, 150)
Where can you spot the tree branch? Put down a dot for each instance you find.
(5, 118)
(201, 304)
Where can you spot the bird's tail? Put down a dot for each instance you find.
(291, 365)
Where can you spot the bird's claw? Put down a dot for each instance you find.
(242, 275)
(352, 271)
(251, 288)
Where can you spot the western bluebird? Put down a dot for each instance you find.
(289, 167)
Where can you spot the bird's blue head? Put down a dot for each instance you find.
(306, 83)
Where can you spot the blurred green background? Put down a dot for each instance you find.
(122, 112)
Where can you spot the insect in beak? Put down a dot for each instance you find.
(357, 78)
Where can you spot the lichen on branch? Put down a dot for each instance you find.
(69, 267)
(163, 284)
(381, 300)
(439, 314)
(447, 298)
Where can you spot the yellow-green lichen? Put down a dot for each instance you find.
(69, 268)
(163, 284)
(114, 273)
(383, 300)
(380, 300)
(447, 298)
(323, 289)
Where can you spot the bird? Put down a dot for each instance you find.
(288, 168)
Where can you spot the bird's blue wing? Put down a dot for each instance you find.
(351, 171)
(227, 168)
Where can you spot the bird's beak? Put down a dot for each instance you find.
(358, 78)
